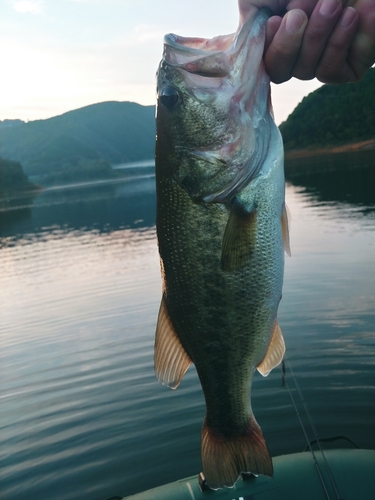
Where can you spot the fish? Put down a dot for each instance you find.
(222, 231)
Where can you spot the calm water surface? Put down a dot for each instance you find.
(81, 413)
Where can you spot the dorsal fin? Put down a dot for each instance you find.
(170, 358)
(239, 237)
(275, 352)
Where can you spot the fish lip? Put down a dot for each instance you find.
(193, 45)
(182, 43)
(249, 28)
(213, 57)
(230, 44)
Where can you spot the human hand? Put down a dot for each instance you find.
(329, 39)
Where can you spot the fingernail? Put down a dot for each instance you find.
(348, 17)
(328, 7)
(294, 21)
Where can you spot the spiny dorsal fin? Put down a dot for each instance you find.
(170, 358)
(285, 230)
(275, 352)
(239, 237)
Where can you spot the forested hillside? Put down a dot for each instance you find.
(83, 142)
(333, 115)
(13, 179)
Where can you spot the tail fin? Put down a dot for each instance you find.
(224, 458)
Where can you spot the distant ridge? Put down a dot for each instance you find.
(10, 123)
(100, 134)
(333, 115)
(83, 144)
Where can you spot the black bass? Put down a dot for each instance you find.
(222, 230)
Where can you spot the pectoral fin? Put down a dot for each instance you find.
(170, 358)
(275, 352)
(239, 237)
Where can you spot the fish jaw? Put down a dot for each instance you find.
(223, 84)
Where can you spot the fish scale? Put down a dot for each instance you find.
(221, 229)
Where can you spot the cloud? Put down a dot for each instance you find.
(28, 6)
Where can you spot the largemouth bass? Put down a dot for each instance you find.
(222, 230)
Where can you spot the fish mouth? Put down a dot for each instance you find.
(230, 67)
(195, 45)
(199, 56)
(213, 57)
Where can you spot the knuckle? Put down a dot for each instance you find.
(336, 46)
(313, 37)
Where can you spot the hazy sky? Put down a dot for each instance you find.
(58, 55)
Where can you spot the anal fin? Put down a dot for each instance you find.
(239, 238)
(275, 352)
(170, 358)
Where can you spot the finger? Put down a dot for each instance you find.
(318, 30)
(306, 5)
(247, 8)
(283, 50)
(362, 53)
(333, 66)
(273, 24)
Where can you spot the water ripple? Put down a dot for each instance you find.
(81, 412)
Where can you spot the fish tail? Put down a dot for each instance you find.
(224, 458)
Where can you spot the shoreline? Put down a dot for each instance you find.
(345, 148)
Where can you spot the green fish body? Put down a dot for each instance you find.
(222, 231)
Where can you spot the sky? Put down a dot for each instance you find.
(59, 55)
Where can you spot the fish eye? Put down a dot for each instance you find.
(169, 97)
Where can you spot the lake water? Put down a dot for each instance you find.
(81, 413)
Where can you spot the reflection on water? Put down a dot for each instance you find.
(342, 177)
(81, 413)
(103, 205)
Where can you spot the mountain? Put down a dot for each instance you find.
(333, 115)
(84, 141)
(10, 123)
(83, 144)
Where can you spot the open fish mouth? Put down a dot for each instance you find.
(199, 56)
(226, 73)
(218, 56)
